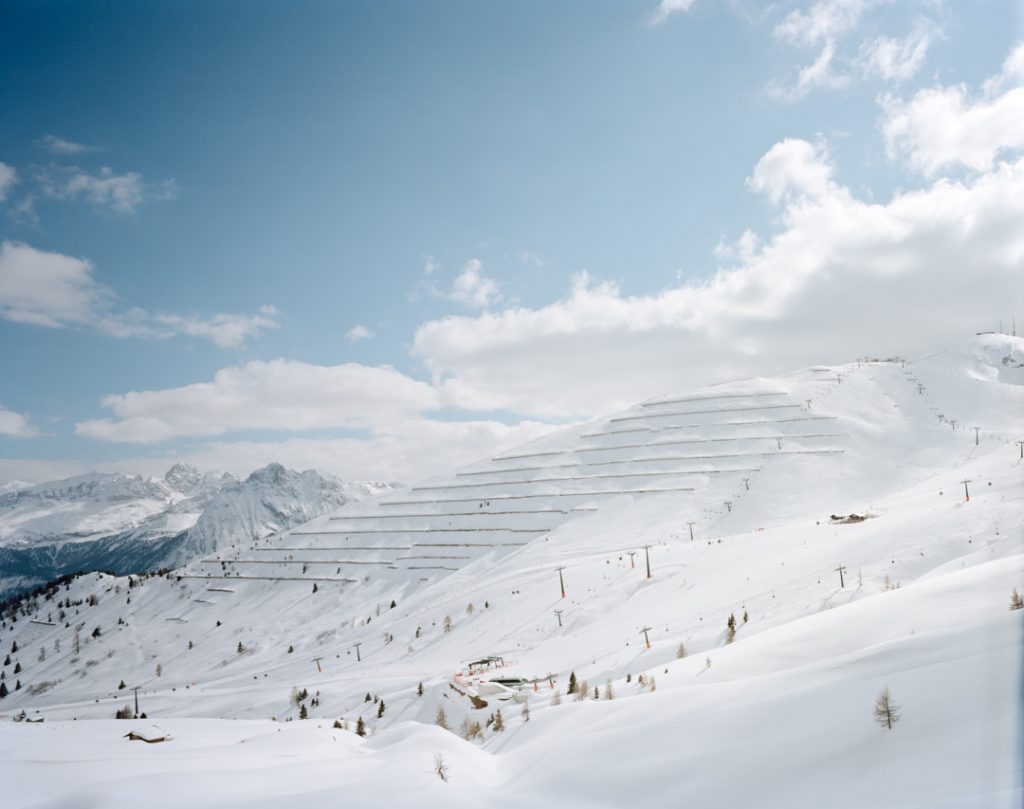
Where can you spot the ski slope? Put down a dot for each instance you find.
(781, 716)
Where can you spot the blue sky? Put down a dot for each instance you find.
(384, 239)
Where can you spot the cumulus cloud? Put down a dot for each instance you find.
(666, 8)
(52, 290)
(15, 425)
(952, 127)
(62, 146)
(121, 193)
(792, 167)
(841, 277)
(8, 179)
(358, 332)
(277, 395)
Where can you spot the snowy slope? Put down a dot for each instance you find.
(779, 717)
(127, 523)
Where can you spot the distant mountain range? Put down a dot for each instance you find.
(128, 523)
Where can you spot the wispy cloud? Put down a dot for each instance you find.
(822, 22)
(898, 59)
(62, 146)
(830, 25)
(472, 288)
(121, 193)
(8, 179)
(358, 332)
(52, 290)
(666, 8)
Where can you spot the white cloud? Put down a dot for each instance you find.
(121, 193)
(792, 167)
(358, 332)
(62, 146)
(8, 179)
(828, 23)
(822, 22)
(48, 289)
(472, 288)
(897, 59)
(15, 425)
(951, 127)
(842, 277)
(666, 8)
(277, 395)
(225, 330)
(431, 266)
(819, 74)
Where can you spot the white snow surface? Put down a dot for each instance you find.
(780, 717)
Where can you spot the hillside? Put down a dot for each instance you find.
(129, 524)
(829, 518)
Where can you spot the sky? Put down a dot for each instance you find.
(385, 239)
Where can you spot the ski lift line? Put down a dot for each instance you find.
(712, 398)
(303, 561)
(610, 463)
(710, 441)
(428, 530)
(264, 578)
(531, 455)
(342, 548)
(457, 513)
(534, 496)
(472, 544)
(429, 567)
(676, 473)
(414, 558)
(619, 432)
(619, 419)
(746, 423)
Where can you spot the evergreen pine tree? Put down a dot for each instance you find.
(441, 720)
(572, 683)
(380, 709)
(303, 713)
(1016, 602)
(499, 722)
(3, 689)
(419, 690)
(17, 667)
(121, 685)
(360, 727)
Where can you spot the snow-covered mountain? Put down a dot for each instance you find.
(128, 524)
(824, 512)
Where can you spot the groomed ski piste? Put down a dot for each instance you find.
(777, 713)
